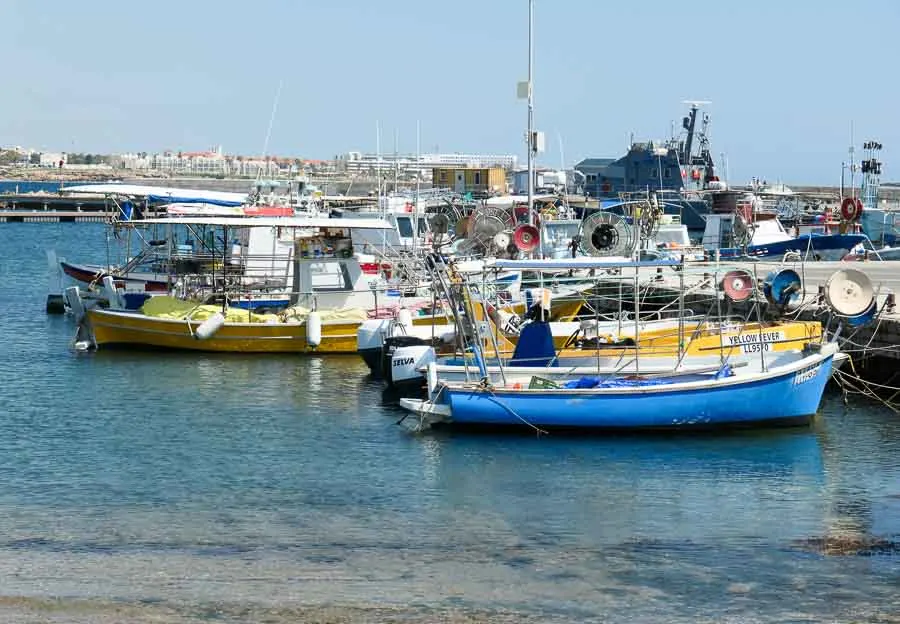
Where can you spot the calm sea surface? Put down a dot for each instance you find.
(22, 186)
(171, 488)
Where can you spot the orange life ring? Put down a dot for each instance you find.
(851, 208)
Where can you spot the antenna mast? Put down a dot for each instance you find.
(269, 130)
(531, 145)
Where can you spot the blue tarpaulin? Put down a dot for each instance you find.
(171, 199)
(612, 382)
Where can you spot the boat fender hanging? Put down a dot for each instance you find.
(314, 329)
(431, 379)
(404, 319)
(208, 328)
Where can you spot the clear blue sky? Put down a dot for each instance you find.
(785, 78)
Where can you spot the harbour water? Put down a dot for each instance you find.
(171, 488)
(25, 186)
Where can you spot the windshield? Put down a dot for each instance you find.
(404, 226)
(672, 236)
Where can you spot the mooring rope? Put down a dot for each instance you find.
(852, 382)
(486, 386)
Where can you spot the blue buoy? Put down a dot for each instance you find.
(780, 287)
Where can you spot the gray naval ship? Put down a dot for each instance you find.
(680, 171)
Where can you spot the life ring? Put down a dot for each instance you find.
(851, 208)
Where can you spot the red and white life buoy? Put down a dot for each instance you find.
(851, 208)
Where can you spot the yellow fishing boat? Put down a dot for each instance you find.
(165, 322)
(320, 332)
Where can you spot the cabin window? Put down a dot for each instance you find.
(404, 227)
(667, 173)
(330, 276)
(477, 178)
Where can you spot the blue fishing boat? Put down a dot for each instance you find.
(747, 234)
(785, 392)
(776, 388)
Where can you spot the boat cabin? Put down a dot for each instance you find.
(731, 230)
(306, 261)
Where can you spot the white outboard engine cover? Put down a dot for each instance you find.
(73, 300)
(370, 337)
(406, 362)
(116, 301)
(370, 334)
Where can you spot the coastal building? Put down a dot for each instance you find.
(545, 180)
(412, 167)
(479, 181)
(504, 161)
(131, 161)
(53, 159)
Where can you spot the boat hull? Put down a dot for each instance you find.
(136, 330)
(659, 353)
(88, 274)
(825, 247)
(791, 396)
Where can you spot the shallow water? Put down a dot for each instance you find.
(172, 487)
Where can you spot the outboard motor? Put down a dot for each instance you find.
(400, 356)
(370, 343)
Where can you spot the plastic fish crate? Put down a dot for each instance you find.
(539, 383)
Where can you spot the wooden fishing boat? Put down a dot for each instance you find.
(787, 391)
(755, 373)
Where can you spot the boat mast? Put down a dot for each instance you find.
(852, 165)
(415, 213)
(531, 145)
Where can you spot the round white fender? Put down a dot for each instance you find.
(314, 329)
(406, 362)
(404, 319)
(210, 326)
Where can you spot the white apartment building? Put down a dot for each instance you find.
(52, 159)
(406, 165)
